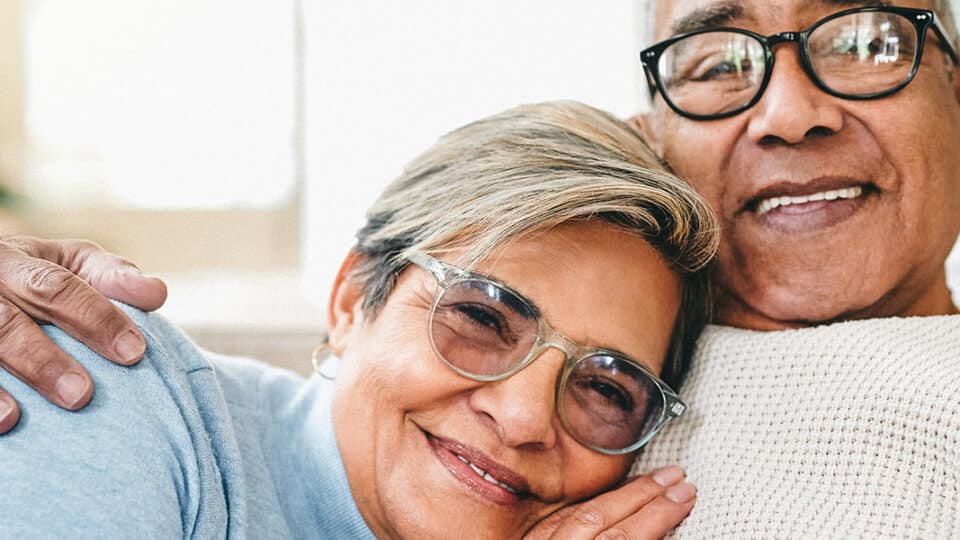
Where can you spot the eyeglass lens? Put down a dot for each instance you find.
(485, 330)
(858, 54)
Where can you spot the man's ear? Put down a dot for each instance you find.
(645, 125)
(955, 79)
(345, 312)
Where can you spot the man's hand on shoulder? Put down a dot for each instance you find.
(66, 283)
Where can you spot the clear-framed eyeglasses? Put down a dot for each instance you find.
(485, 331)
(861, 53)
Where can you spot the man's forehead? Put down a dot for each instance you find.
(679, 16)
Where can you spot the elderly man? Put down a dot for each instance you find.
(826, 134)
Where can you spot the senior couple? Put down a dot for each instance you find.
(522, 300)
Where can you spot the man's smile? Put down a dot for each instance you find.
(805, 203)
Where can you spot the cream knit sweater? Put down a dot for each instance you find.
(850, 430)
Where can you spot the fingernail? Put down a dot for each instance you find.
(129, 346)
(681, 493)
(5, 410)
(668, 476)
(71, 387)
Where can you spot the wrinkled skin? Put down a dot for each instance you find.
(882, 255)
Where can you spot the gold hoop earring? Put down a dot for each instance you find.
(320, 359)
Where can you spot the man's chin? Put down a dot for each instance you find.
(792, 308)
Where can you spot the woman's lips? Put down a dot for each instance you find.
(478, 472)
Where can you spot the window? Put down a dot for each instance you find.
(166, 129)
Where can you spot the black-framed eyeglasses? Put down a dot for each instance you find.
(485, 331)
(861, 53)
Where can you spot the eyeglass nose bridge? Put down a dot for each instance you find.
(548, 338)
(783, 37)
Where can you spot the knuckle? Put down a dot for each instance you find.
(23, 352)
(93, 311)
(588, 515)
(35, 366)
(614, 533)
(80, 244)
(51, 282)
(11, 322)
(18, 242)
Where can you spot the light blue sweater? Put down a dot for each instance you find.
(185, 444)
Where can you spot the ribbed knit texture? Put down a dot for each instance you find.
(850, 430)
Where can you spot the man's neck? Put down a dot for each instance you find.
(937, 300)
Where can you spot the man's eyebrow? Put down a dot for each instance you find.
(722, 13)
(709, 16)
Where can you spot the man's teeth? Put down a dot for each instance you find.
(767, 205)
(485, 475)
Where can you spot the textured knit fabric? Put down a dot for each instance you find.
(176, 447)
(850, 430)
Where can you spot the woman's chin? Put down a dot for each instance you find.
(428, 497)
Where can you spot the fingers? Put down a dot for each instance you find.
(113, 276)
(644, 507)
(48, 292)
(27, 353)
(9, 412)
(658, 517)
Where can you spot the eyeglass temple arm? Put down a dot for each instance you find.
(945, 42)
(651, 83)
(675, 407)
(430, 264)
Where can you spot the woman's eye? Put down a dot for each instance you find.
(484, 317)
(611, 393)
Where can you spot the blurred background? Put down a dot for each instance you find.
(231, 147)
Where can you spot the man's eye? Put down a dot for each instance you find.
(721, 70)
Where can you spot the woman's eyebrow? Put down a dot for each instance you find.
(517, 302)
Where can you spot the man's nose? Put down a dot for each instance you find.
(521, 408)
(792, 107)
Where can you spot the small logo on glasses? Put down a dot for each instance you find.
(678, 409)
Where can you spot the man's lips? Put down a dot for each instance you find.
(772, 203)
(816, 192)
(478, 471)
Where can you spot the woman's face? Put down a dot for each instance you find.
(405, 421)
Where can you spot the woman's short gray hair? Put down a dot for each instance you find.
(527, 170)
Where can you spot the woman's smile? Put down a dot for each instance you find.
(478, 472)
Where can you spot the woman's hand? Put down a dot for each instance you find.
(58, 282)
(645, 507)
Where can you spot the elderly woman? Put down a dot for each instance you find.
(505, 334)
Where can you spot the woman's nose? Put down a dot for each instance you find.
(522, 407)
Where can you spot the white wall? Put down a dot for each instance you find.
(385, 79)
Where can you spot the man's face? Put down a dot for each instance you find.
(879, 253)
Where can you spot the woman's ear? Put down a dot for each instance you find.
(345, 312)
